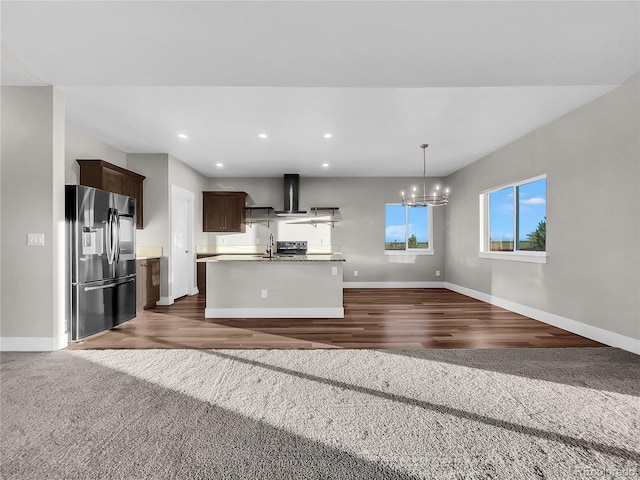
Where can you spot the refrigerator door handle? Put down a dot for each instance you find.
(116, 217)
(112, 235)
(109, 285)
(109, 237)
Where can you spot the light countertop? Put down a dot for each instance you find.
(258, 249)
(333, 257)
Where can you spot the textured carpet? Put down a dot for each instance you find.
(348, 414)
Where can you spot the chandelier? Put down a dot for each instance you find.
(437, 198)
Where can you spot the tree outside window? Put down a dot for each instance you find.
(407, 228)
(517, 217)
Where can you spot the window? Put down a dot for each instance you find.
(513, 221)
(407, 229)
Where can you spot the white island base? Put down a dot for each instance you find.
(247, 288)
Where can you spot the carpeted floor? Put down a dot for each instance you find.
(345, 414)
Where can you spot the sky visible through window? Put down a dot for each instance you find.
(419, 226)
(397, 225)
(532, 206)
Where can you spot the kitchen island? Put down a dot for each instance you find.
(259, 286)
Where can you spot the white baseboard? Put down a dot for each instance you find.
(393, 285)
(33, 344)
(164, 301)
(194, 291)
(589, 331)
(302, 312)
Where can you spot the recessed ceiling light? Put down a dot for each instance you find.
(183, 136)
(327, 135)
(262, 135)
(325, 165)
(219, 165)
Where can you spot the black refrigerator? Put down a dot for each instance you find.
(101, 260)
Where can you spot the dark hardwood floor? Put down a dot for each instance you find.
(404, 318)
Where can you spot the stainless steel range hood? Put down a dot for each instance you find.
(291, 189)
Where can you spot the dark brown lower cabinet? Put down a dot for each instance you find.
(147, 283)
(202, 272)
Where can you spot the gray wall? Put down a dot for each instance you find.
(360, 231)
(591, 158)
(161, 171)
(80, 145)
(186, 177)
(157, 229)
(32, 200)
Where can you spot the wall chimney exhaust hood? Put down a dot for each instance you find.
(291, 189)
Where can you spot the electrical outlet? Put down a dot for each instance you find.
(264, 293)
(257, 241)
(355, 273)
(437, 273)
(334, 270)
(35, 239)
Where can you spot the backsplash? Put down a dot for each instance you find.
(283, 229)
(149, 252)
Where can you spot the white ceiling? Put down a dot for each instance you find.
(382, 77)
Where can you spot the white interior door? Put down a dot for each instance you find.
(182, 251)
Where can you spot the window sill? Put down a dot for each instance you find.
(409, 252)
(530, 257)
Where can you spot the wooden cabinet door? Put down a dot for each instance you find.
(141, 284)
(201, 268)
(153, 282)
(213, 214)
(112, 181)
(112, 178)
(132, 187)
(235, 214)
(223, 211)
(147, 283)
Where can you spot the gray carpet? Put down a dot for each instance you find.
(300, 414)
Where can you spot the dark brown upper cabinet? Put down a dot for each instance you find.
(223, 211)
(112, 178)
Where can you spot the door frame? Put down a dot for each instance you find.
(177, 194)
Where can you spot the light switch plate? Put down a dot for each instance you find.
(35, 239)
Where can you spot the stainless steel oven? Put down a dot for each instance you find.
(290, 248)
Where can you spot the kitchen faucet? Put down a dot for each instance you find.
(270, 246)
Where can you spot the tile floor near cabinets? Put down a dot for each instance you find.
(404, 318)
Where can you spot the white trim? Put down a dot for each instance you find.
(518, 256)
(165, 301)
(302, 312)
(33, 344)
(178, 192)
(393, 285)
(485, 229)
(414, 251)
(598, 334)
(194, 291)
(484, 225)
(426, 251)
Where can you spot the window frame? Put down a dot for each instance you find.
(485, 231)
(407, 250)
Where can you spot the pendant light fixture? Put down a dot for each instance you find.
(438, 196)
